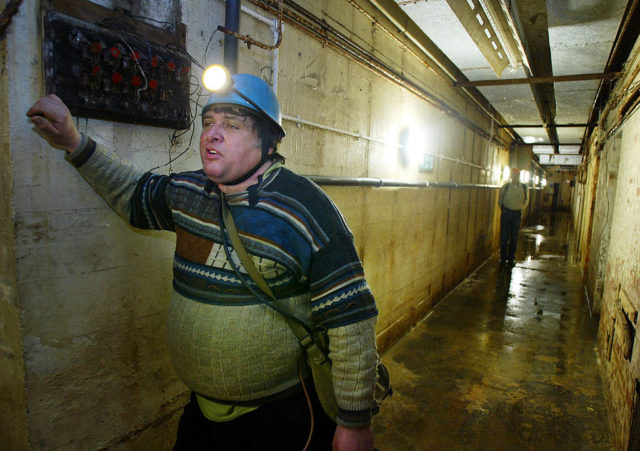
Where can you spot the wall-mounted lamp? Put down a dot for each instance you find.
(495, 174)
(506, 174)
(411, 149)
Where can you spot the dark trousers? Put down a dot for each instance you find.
(509, 230)
(280, 425)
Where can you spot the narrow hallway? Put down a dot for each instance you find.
(506, 361)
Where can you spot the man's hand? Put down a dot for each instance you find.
(53, 119)
(353, 439)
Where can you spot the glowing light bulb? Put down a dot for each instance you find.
(216, 78)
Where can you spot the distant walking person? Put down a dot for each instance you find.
(513, 199)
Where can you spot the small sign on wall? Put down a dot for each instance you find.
(426, 163)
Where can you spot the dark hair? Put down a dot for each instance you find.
(269, 135)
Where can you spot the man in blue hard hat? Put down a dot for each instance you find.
(236, 354)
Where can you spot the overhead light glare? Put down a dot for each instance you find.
(532, 139)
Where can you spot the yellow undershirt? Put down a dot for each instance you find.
(215, 411)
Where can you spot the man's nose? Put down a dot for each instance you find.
(213, 133)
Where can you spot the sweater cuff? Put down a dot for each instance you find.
(82, 153)
(354, 419)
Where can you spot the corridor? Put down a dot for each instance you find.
(506, 361)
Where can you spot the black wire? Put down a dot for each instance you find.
(177, 134)
(206, 49)
(174, 46)
(128, 15)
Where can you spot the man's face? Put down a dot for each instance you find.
(515, 177)
(229, 145)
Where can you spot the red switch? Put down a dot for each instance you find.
(114, 52)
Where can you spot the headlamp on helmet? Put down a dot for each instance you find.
(244, 90)
(216, 78)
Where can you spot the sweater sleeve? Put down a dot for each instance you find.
(353, 355)
(342, 302)
(136, 196)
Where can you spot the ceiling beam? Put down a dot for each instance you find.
(551, 144)
(538, 80)
(530, 17)
(538, 125)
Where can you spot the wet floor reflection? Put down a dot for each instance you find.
(507, 361)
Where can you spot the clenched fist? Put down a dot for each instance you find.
(53, 119)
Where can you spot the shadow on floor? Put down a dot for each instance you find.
(506, 362)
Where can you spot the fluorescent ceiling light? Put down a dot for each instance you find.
(542, 149)
(569, 149)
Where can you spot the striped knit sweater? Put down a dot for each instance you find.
(224, 343)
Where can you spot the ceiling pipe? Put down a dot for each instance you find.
(410, 30)
(382, 183)
(232, 23)
(538, 80)
(319, 29)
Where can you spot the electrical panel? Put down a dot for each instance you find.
(105, 72)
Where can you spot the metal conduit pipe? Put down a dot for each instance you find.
(457, 160)
(473, 94)
(276, 32)
(305, 21)
(231, 22)
(380, 183)
(298, 121)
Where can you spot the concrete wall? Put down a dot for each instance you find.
(603, 209)
(92, 293)
(12, 394)
(621, 298)
(609, 185)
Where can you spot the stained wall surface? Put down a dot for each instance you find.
(92, 292)
(12, 401)
(607, 214)
(621, 298)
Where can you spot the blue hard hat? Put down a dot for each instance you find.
(260, 95)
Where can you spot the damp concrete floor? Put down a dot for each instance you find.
(507, 361)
